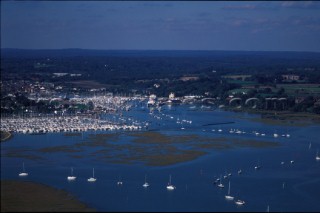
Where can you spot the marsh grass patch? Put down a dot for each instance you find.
(72, 134)
(14, 154)
(254, 143)
(64, 148)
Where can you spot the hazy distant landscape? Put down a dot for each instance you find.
(212, 74)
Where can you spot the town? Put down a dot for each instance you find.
(33, 88)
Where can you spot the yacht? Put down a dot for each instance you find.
(220, 184)
(92, 179)
(71, 177)
(216, 181)
(23, 173)
(146, 184)
(258, 166)
(240, 202)
(317, 156)
(170, 186)
(229, 197)
(119, 183)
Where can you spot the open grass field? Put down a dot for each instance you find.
(312, 89)
(87, 84)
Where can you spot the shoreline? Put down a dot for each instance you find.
(27, 196)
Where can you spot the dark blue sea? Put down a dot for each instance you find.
(286, 187)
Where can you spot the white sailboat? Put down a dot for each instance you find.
(258, 166)
(216, 181)
(71, 177)
(229, 197)
(170, 186)
(119, 183)
(317, 156)
(146, 184)
(240, 202)
(220, 184)
(23, 173)
(92, 179)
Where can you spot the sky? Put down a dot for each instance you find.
(162, 25)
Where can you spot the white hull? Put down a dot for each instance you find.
(171, 187)
(92, 179)
(146, 185)
(71, 177)
(240, 202)
(221, 185)
(229, 197)
(22, 174)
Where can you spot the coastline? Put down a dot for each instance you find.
(26, 196)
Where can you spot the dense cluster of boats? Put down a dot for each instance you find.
(41, 125)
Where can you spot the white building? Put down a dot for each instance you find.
(171, 96)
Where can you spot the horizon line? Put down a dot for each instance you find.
(75, 48)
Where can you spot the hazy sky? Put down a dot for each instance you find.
(170, 25)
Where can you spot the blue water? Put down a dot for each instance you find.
(288, 187)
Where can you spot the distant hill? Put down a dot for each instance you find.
(123, 66)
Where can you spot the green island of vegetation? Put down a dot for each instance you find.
(153, 148)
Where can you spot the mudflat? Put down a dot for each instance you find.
(25, 196)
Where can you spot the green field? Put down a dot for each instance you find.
(312, 89)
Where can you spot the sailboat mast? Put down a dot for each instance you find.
(229, 189)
